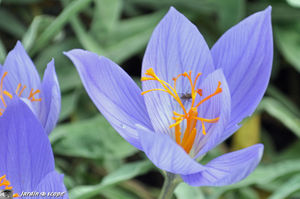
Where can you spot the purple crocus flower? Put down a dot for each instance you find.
(20, 77)
(192, 98)
(27, 162)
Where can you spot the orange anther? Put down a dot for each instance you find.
(4, 182)
(199, 91)
(32, 94)
(191, 116)
(177, 134)
(4, 92)
(10, 96)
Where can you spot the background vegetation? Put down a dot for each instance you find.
(96, 161)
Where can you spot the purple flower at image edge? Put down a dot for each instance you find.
(27, 162)
(192, 98)
(19, 77)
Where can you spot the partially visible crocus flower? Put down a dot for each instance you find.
(19, 77)
(192, 98)
(27, 162)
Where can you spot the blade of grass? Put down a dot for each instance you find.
(72, 9)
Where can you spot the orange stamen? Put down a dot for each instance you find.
(32, 94)
(19, 85)
(22, 91)
(4, 92)
(191, 116)
(6, 183)
(207, 120)
(199, 91)
(177, 134)
(190, 141)
(177, 114)
(179, 120)
(9, 95)
(191, 125)
(218, 90)
(167, 87)
(3, 101)
(196, 79)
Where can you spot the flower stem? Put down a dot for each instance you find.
(171, 182)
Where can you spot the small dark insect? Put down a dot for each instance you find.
(185, 96)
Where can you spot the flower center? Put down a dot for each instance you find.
(4, 182)
(18, 92)
(191, 116)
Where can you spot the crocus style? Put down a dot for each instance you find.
(27, 163)
(192, 98)
(20, 77)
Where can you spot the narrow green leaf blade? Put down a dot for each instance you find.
(287, 188)
(126, 172)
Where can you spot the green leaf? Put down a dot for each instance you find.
(184, 191)
(294, 3)
(68, 105)
(10, 24)
(2, 52)
(230, 12)
(282, 98)
(106, 15)
(116, 192)
(21, 1)
(287, 188)
(263, 174)
(131, 36)
(195, 6)
(67, 75)
(280, 112)
(288, 41)
(86, 39)
(292, 152)
(72, 9)
(93, 138)
(281, 11)
(125, 172)
(129, 46)
(248, 193)
(38, 24)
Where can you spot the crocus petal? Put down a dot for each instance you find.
(51, 98)
(176, 46)
(26, 151)
(245, 54)
(227, 169)
(216, 107)
(20, 69)
(54, 183)
(114, 93)
(166, 154)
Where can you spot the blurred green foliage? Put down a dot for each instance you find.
(96, 161)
